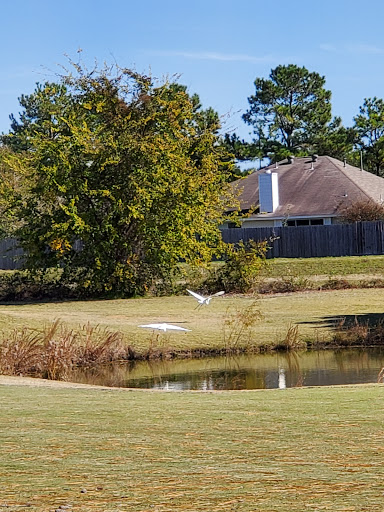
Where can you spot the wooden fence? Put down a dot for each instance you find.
(359, 239)
(11, 257)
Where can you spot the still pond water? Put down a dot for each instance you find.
(260, 371)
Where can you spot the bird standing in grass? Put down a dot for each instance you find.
(203, 300)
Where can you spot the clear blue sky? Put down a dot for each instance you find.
(217, 46)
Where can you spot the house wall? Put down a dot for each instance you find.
(260, 223)
(271, 223)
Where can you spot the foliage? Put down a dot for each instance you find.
(336, 141)
(285, 284)
(369, 125)
(125, 178)
(14, 172)
(358, 333)
(292, 339)
(288, 110)
(243, 264)
(243, 152)
(363, 210)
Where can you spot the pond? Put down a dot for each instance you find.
(259, 371)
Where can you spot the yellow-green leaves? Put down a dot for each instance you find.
(128, 169)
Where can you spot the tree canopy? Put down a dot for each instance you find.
(288, 110)
(120, 178)
(369, 126)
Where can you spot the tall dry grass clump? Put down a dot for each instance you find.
(20, 353)
(100, 346)
(359, 333)
(58, 352)
(291, 340)
(238, 327)
(55, 351)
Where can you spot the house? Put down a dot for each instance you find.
(303, 191)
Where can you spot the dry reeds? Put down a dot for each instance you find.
(20, 353)
(238, 327)
(291, 340)
(359, 334)
(55, 351)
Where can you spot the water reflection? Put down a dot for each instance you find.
(282, 383)
(261, 371)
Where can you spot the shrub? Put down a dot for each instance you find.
(286, 284)
(242, 266)
(238, 327)
(358, 211)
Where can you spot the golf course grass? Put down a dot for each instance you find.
(315, 313)
(95, 449)
(103, 450)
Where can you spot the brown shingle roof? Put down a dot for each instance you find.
(306, 192)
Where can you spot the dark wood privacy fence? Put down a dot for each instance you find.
(11, 257)
(362, 238)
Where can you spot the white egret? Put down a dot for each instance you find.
(165, 327)
(204, 300)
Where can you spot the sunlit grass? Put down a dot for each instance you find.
(336, 266)
(311, 311)
(97, 450)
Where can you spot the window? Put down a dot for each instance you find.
(305, 222)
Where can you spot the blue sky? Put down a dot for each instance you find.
(217, 47)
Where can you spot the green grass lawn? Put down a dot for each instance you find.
(118, 450)
(314, 312)
(310, 267)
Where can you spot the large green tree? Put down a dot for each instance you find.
(335, 140)
(369, 125)
(125, 178)
(288, 110)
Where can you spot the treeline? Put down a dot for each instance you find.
(290, 113)
(113, 178)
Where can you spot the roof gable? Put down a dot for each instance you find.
(308, 188)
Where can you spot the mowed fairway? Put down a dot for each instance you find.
(311, 311)
(119, 450)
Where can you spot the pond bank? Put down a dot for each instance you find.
(230, 324)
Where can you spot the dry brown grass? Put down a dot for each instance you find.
(56, 350)
(238, 327)
(359, 334)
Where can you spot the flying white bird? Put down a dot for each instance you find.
(204, 300)
(165, 327)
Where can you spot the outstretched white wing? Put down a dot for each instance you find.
(176, 327)
(152, 326)
(196, 295)
(216, 294)
(164, 327)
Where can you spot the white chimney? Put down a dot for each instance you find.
(268, 192)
